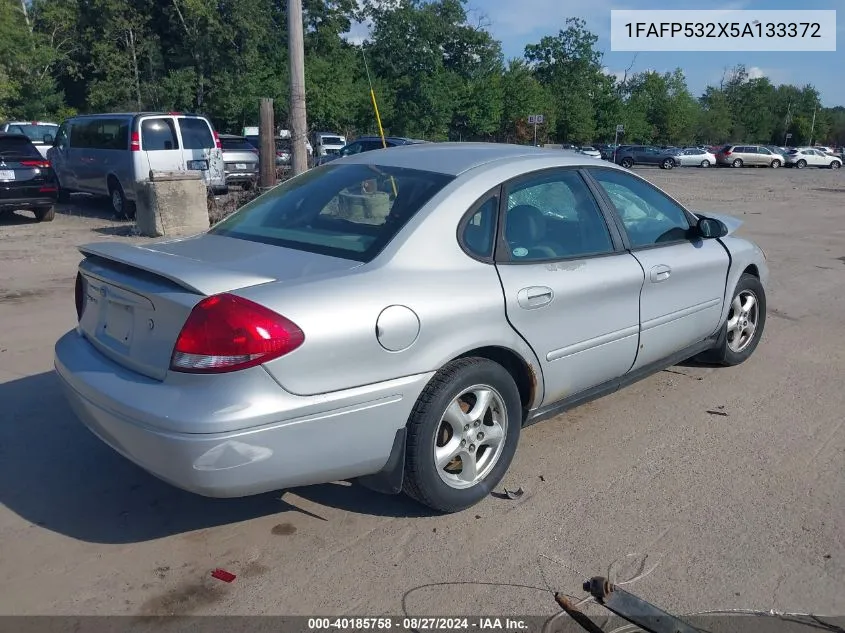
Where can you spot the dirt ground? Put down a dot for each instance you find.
(742, 510)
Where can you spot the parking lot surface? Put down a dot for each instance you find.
(741, 507)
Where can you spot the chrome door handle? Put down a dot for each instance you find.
(535, 297)
(660, 273)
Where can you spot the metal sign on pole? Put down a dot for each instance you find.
(535, 120)
(620, 129)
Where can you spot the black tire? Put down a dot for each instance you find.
(667, 164)
(247, 185)
(45, 214)
(422, 480)
(775, 163)
(120, 206)
(722, 354)
(801, 164)
(627, 163)
(737, 163)
(835, 164)
(705, 163)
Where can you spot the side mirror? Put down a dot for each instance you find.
(709, 228)
(48, 139)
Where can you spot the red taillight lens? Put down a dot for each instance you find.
(79, 295)
(39, 164)
(135, 142)
(727, 152)
(225, 333)
(217, 143)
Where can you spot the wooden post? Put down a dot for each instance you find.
(296, 53)
(267, 149)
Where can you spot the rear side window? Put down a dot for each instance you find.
(158, 135)
(348, 211)
(16, 146)
(480, 229)
(196, 134)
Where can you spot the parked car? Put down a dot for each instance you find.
(630, 155)
(748, 156)
(366, 144)
(27, 180)
(695, 157)
(40, 133)
(328, 143)
(107, 154)
(240, 160)
(312, 337)
(591, 151)
(811, 157)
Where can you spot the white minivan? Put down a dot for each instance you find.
(107, 154)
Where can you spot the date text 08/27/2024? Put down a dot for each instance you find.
(417, 624)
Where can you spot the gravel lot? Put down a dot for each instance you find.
(744, 510)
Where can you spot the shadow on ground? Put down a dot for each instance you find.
(86, 206)
(15, 218)
(54, 473)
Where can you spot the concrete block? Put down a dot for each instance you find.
(172, 204)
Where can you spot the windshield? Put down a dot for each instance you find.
(348, 211)
(34, 132)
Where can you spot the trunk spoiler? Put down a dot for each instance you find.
(195, 276)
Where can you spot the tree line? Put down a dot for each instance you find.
(437, 71)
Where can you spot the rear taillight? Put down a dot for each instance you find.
(226, 333)
(727, 152)
(48, 190)
(79, 295)
(217, 143)
(38, 164)
(135, 142)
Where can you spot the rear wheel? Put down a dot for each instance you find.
(627, 163)
(45, 214)
(121, 207)
(775, 163)
(737, 162)
(705, 163)
(744, 326)
(801, 164)
(835, 164)
(462, 434)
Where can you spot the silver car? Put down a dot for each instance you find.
(696, 157)
(398, 317)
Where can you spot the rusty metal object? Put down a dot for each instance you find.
(581, 618)
(635, 610)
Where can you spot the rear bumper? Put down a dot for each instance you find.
(27, 203)
(239, 176)
(309, 439)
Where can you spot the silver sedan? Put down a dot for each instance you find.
(398, 317)
(696, 157)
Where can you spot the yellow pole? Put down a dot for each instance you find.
(378, 116)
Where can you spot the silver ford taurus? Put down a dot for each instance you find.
(398, 317)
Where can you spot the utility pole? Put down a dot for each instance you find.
(786, 123)
(267, 145)
(296, 52)
(813, 127)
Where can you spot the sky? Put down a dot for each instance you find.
(516, 23)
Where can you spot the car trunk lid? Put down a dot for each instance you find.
(137, 298)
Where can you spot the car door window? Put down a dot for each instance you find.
(479, 230)
(553, 216)
(650, 217)
(158, 135)
(763, 150)
(352, 148)
(196, 134)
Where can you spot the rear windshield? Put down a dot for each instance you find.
(236, 144)
(196, 134)
(332, 140)
(34, 132)
(17, 146)
(348, 211)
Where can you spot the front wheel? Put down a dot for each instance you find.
(737, 163)
(668, 164)
(462, 434)
(627, 163)
(801, 164)
(744, 326)
(775, 164)
(835, 164)
(705, 163)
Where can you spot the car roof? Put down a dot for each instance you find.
(456, 158)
